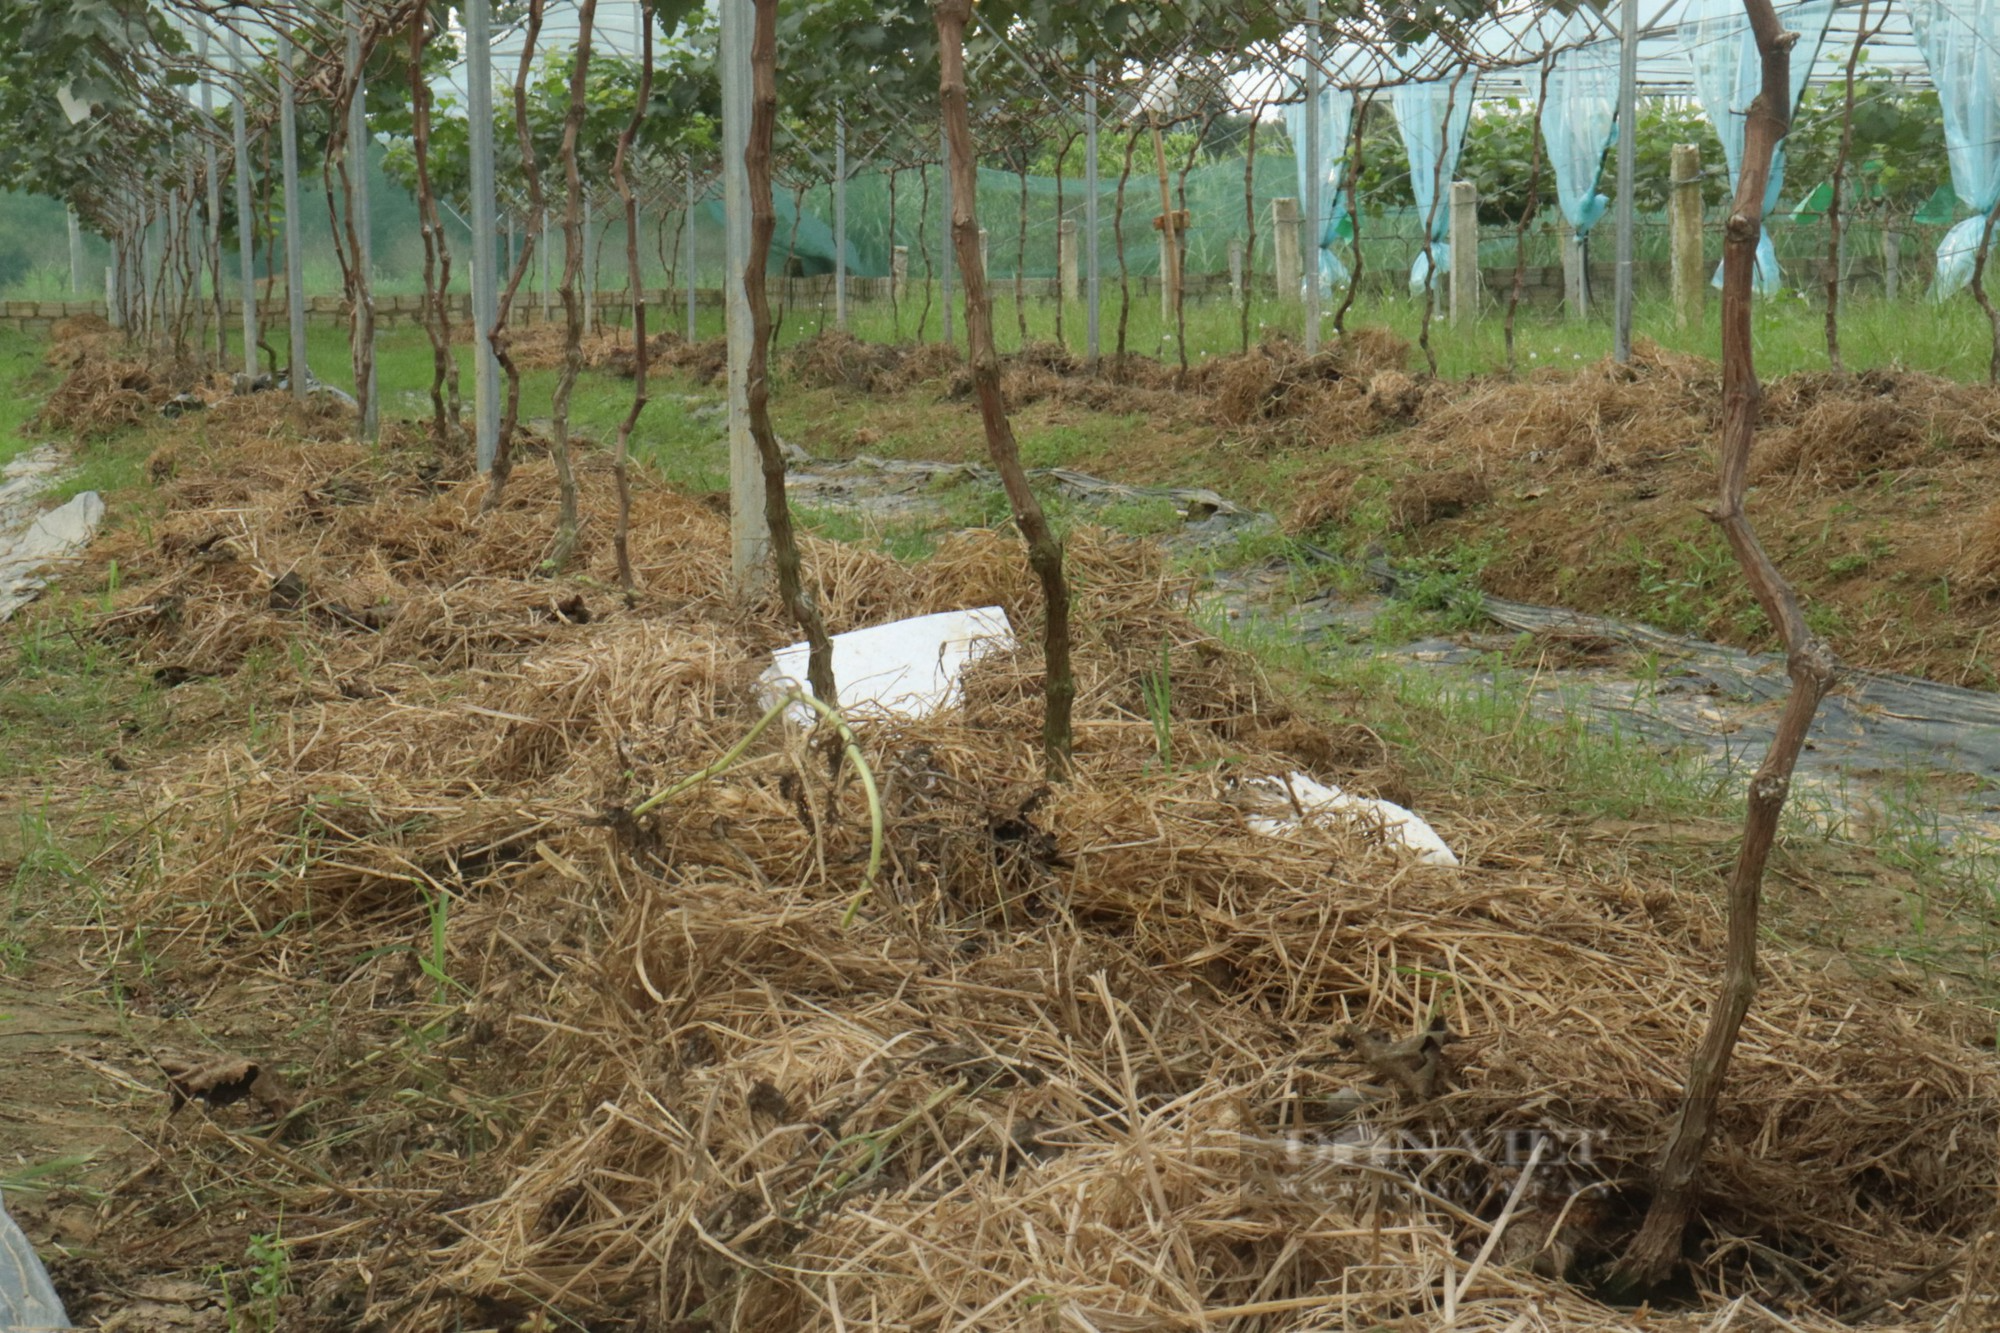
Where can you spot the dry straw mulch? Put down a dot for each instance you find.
(1275, 395)
(1586, 487)
(1043, 1077)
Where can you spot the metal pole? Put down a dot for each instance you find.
(688, 248)
(246, 220)
(357, 152)
(1090, 273)
(749, 538)
(944, 234)
(75, 255)
(212, 252)
(1628, 142)
(485, 230)
(840, 220)
(1315, 228)
(295, 254)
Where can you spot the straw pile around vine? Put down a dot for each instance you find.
(1096, 1055)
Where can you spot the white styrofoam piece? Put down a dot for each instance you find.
(1316, 799)
(906, 668)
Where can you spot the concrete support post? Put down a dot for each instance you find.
(899, 270)
(1576, 276)
(1684, 210)
(1066, 259)
(547, 244)
(1285, 249)
(1235, 268)
(749, 537)
(589, 273)
(75, 255)
(1892, 262)
(1166, 280)
(1464, 252)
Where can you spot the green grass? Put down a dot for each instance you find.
(907, 540)
(67, 701)
(20, 398)
(1950, 339)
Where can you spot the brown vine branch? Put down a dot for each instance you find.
(1656, 1250)
(1045, 552)
(763, 226)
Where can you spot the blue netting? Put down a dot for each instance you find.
(1336, 119)
(1727, 77)
(1432, 118)
(1960, 41)
(1579, 121)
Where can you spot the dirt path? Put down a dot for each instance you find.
(73, 1110)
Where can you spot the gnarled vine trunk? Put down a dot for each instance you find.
(763, 226)
(1656, 1249)
(437, 255)
(1353, 217)
(1045, 552)
(1528, 211)
(1980, 294)
(1180, 278)
(1249, 234)
(572, 365)
(348, 239)
(1834, 228)
(498, 336)
(635, 284)
(1118, 235)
